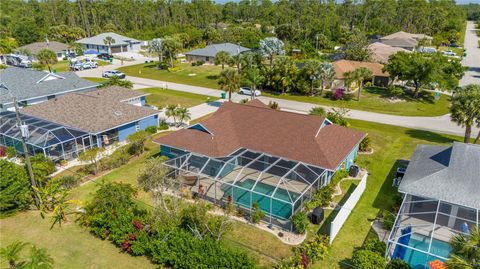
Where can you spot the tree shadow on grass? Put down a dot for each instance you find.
(423, 96)
(428, 136)
(151, 65)
(213, 77)
(386, 195)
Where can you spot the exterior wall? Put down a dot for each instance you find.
(195, 58)
(151, 121)
(143, 100)
(128, 129)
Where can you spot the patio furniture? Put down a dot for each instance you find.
(189, 179)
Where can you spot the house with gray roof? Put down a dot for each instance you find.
(96, 44)
(404, 40)
(61, 49)
(33, 86)
(441, 189)
(208, 53)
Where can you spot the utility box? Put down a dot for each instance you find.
(317, 215)
(353, 171)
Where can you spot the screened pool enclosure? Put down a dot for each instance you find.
(53, 140)
(279, 186)
(424, 227)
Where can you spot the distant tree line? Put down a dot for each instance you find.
(302, 24)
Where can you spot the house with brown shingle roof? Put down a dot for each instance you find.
(380, 78)
(381, 52)
(61, 49)
(246, 153)
(108, 115)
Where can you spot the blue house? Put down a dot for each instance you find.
(102, 117)
(250, 153)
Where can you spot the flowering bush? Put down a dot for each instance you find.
(339, 93)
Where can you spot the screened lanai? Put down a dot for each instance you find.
(53, 140)
(278, 185)
(424, 227)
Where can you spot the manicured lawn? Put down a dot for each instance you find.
(161, 98)
(390, 144)
(204, 76)
(378, 100)
(70, 246)
(99, 80)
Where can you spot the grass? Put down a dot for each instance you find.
(99, 80)
(376, 99)
(161, 98)
(205, 75)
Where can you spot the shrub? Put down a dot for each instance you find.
(163, 125)
(42, 166)
(257, 214)
(309, 252)
(375, 245)
(15, 192)
(318, 111)
(38, 66)
(398, 264)
(137, 142)
(367, 259)
(69, 182)
(388, 220)
(151, 129)
(162, 66)
(243, 101)
(339, 175)
(338, 95)
(174, 69)
(300, 222)
(396, 91)
(368, 84)
(118, 158)
(273, 105)
(365, 144)
(11, 152)
(198, 63)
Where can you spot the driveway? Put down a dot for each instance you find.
(472, 61)
(441, 124)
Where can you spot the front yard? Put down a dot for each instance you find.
(71, 245)
(379, 100)
(63, 66)
(203, 76)
(161, 98)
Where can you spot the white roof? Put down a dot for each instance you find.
(98, 39)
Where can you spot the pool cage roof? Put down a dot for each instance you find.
(42, 133)
(434, 220)
(295, 178)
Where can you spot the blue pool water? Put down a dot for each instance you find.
(419, 260)
(282, 210)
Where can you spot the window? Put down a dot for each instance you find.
(137, 126)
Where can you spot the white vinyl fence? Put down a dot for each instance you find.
(344, 212)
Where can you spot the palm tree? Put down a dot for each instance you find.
(236, 60)
(108, 40)
(11, 253)
(253, 77)
(170, 111)
(171, 46)
(326, 73)
(222, 57)
(311, 69)
(349, 77)
(229, 81)
(48, 57)
(361, 74)
(183, 114)
(156, 46)
(466, 250)
(116, 81)
(271, 46)
(39, 259)
(465, 108)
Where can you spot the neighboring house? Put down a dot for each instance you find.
(33, 86)
(404, 40)
(441, 189)
(248, 153)
(381, 52)
(61, 49)
(96, 44)
(379, 78)
(208, 53)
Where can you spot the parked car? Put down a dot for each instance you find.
(76, 66)
(113, 73)
(427, 50)
(89, 64)
(248, 91)
(18, 60)
(104, 56)
(449, 53)
(454, 45)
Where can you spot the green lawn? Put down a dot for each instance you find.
(99, 80)
(204, 76)
(378, 100)
(161, 98)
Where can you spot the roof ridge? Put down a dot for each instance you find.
(279, 110)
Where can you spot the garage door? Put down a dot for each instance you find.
(116, 49)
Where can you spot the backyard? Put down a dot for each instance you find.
(390, 143)
(203, 76)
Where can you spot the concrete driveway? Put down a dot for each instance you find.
(472, 61)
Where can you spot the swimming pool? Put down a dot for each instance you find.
(282, 210)
(420, 260)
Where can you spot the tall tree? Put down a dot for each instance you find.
(465, 108)
(156, 46)
(15, 191)
(362, 74)
(311, 69)
(183, 114)
(230, 81)
(109, 41)
(48, 57)
(171, 46)
(222, 57)
(253, 76)
(466, 250)
(326, 73)
(356, 47)
(270, 47)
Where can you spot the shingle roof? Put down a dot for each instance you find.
(54, 46)
(405, 35)
(382, 52)
(343, 66)
(98, 39)
(93, 111)
(27, 83)
(212, 50)
(450, 174)
(289, 135)
(401, 42)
